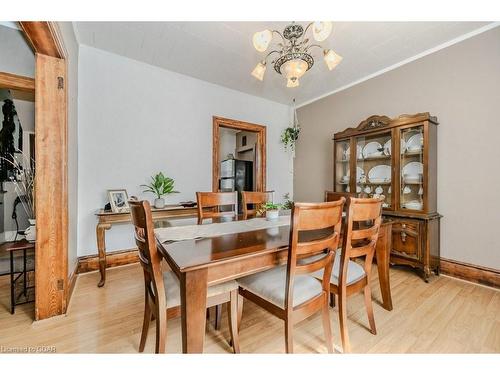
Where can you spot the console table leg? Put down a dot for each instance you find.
(101, 247)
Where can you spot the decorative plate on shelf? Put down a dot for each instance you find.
(379, 174)
(387, 147)
(359, 175)
(413, 169)
(415, 142)
(413, 205)
(359, 151)
(372, 150)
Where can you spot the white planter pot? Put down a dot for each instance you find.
(159, 203)
(272, 215)
(30, 233)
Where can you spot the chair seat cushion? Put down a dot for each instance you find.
(271, 286)
(173, 289)
(355, 271)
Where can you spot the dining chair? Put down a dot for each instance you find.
(215, 201)
(257, 199)
(331, 196)
(291, 292)
(347, 277)
(162, 289)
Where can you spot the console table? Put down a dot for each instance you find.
(106, 219)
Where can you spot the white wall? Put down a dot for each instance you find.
(71, 45)
(16, 55)
(135, 120)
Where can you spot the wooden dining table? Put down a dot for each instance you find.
(204, 262)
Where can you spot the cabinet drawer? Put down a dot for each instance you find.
(406, 239)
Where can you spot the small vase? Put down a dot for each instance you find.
(30, 233)
(159, 203)
(272, 215)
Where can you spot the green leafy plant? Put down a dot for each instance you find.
(268, 206)
(288, 202)
(289, 136)
(160, 185)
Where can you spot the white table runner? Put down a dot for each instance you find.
(190, 232)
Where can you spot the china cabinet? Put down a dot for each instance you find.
(396, 158)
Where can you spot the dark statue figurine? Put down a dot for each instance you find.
(7, 146)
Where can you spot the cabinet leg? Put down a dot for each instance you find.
(427, 273)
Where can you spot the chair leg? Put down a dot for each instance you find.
(161, 331)
(145, 324)
(332, 299)
(218, 315)
(289, 335)
(232, 315)
(240, 310)
(327, 327)
(369, 309)
(344, 335)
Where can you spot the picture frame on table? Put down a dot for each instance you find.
(118, 199)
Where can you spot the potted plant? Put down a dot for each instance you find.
(160, 185)
(288, 204)
(271, 209)
(290, 135)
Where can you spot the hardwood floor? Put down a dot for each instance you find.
(445, 316)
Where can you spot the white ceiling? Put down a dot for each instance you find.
(222, 52)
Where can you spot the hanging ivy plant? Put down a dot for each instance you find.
(290, 135)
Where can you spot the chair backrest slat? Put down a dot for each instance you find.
(310, 217)
(363, 219)
(149, 257)
(257, 198)
(215, 201)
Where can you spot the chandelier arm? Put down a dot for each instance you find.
(281, 35)
(305, 31)
(270, 53)
(313, 45)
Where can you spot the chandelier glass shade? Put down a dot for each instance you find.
(293, 57)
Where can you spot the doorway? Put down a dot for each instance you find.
(238, 142)
(50, 146)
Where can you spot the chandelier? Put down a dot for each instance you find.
(293, 57)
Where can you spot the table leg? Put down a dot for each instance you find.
(12, 291)
(101, 247)
(24, 272)
(193, 310)
(383, 252)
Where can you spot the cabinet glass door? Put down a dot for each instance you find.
(411, 195)
(342, 154)
(374, 167)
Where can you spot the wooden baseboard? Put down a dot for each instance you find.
(470, 272)
(71, 286)
(113, 259)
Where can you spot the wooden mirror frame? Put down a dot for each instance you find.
(260, 170)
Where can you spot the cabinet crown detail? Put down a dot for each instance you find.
(376, 122)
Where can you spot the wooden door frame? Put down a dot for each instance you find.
(51, 253)
(221, 122)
